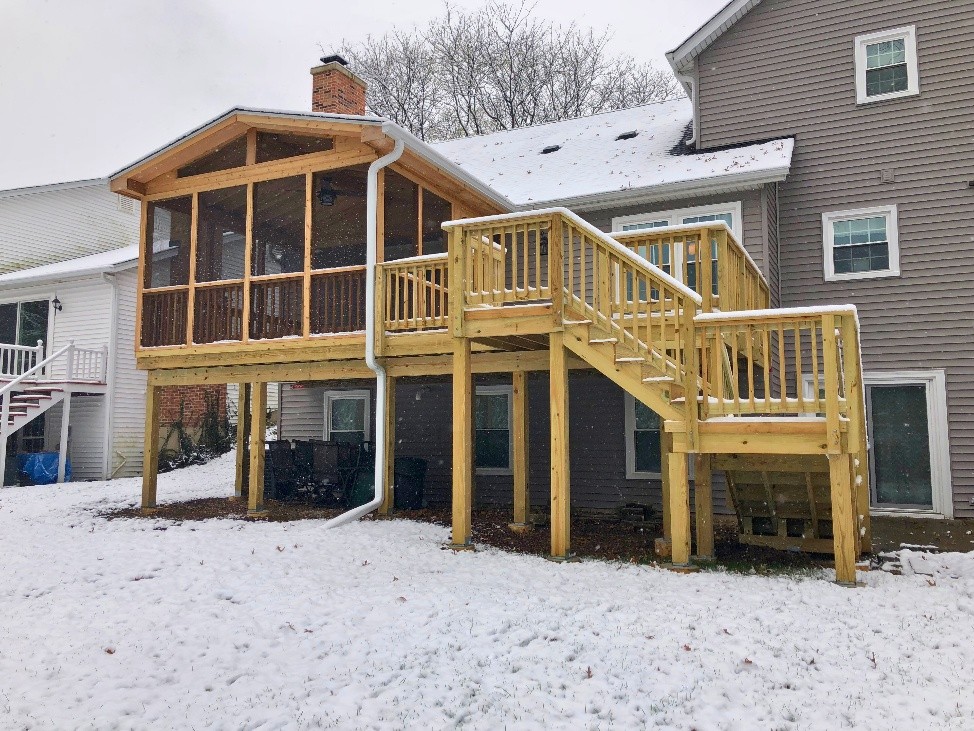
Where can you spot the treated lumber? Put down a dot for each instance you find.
(703, 500)
(844, 522)
(150, 452)
(522, 497)
(388, 478)
(560, 467)
(243, 435)
(463, 437)
(679, 509)
(258, 429)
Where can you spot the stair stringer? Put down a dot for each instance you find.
(47, 402)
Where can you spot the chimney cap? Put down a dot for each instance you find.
(334, 58)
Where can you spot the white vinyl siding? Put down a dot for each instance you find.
(886, 65)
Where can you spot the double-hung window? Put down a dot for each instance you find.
(492, 430)
(886, 65)
(861, 244)
(642, 440)
(347, 416)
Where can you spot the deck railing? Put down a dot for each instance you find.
(18, 359)
(708, 259)
(337, 300)
(413, 294)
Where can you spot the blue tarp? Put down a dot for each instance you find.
(41, 467)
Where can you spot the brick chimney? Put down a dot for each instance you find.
(335, 89)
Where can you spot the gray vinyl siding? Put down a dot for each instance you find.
(788, 68)
(424, 429)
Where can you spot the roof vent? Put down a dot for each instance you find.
(627, 135)
(550, 148)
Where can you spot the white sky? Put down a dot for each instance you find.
(88, 86)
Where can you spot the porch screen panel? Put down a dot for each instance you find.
(278, 226)
(167, 242)
(401, 216)
(279, 145)
(436, 210)
(220, 235)
(338, 218)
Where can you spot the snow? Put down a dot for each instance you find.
(227, 624)
(781, 313)
(592, 162)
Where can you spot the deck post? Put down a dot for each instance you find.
(665, 451)
(560, 472)
(522, 497)
(258, 427)
(679, 509)
(389, 477)
(703, 499)
(150, 452)
(63, 446)
(462, 443)
(243, 435)
(843, 519)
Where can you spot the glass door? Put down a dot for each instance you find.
(899, 439)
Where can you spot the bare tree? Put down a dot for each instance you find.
(496, 68)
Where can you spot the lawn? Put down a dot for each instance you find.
(136, 623)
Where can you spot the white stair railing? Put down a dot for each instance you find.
(16, 359)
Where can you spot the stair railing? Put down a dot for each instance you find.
(15, 359)
(413, 294)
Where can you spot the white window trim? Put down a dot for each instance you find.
(630, 425)
(909, 35)
(892, 234)
(330, 396)
(735, 208)
(937, 430)
(509, 392)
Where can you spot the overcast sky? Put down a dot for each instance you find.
(88, 86)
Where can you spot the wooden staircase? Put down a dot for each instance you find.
(773, 398)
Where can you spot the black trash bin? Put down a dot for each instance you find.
(410, 477)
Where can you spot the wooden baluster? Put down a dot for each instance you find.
(766, 353)
(782, 366)
(750, 366)
(799, 380)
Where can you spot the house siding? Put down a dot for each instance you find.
(128, 386)
(785, 69)
(424, 429)
(47, 226)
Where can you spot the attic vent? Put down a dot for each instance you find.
(550, 148)
(627, 135)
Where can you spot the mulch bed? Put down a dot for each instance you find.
(232, 508)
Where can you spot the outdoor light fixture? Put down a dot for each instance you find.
(326, 194)
(56, 304)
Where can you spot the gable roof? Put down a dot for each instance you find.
(107, 262)
(593, 168)
(682, 57)
(52, 187)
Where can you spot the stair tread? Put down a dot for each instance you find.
(596, 341)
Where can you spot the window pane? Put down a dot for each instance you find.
(33, 322)
(647, 446)
(491, 411)
(727, 218)
(8, 324)
(492, 448)
(279, 226)
(220, 234)
(231, 155)
(900, 445)
(348, 414)
(646, 418)
(887, 80)
(648, 224)
(338, 218)
(167, 242)
(401, 216)
(435, 211)
(275, 146)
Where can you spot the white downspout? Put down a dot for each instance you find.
(371, 246)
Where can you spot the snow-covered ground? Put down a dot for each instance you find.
(233, 625)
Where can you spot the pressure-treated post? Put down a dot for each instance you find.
(560, 472)
(243, 435)
(844, 537)
(679, 509)
(150, 452)
(258, 428)
(856, 412)
(462, 443)
(522, 497)
(666, 453)
(704, 506)
(389, 476)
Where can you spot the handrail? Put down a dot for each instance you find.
(15, 357)
(8, 387)
(412, 294)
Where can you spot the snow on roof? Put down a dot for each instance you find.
(106, 261)
(32, 189)
(597, 160)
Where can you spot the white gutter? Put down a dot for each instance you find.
(371, 243)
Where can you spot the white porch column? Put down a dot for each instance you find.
(63, 448)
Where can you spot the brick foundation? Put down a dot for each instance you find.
(193, 401)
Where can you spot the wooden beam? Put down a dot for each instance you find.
(703, 500)
(665, 453)
(388, 479)
(560, 467)
(258, 427)
(150, 451)
(463, 437)
(243, 436)
(522, 495)
(375, 138)
(679, 509)
(844, 523)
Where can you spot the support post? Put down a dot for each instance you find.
(63, 446)
(389, 477)
(258, 427)
(844, 521)
(522, 497)
(560, 468)
(679, 509)
(150, 451)
(666, 452)
(704, 506)
(462, 443)
(4, 433)
(243, 436)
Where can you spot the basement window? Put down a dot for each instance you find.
(886, 65)
(492, 430)
(643, 453)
